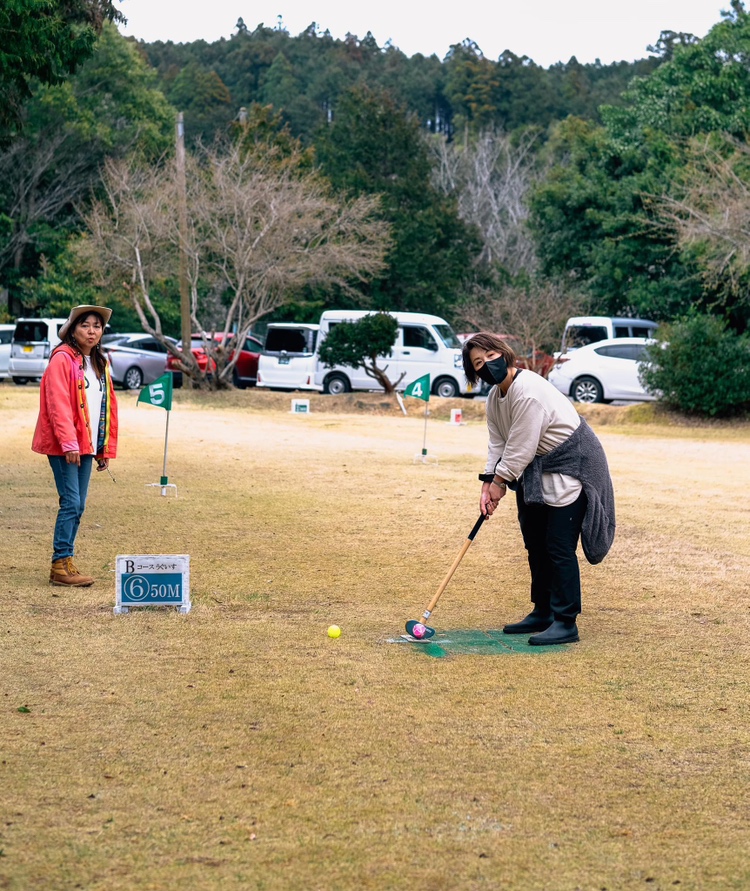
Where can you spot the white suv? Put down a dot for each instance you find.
(6, 335)
(33, 341)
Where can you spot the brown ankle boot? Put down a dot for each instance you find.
(64, 572)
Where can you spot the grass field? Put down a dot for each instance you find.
(239, 747)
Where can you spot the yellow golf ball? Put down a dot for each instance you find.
(334, 631)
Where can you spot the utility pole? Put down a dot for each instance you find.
(186, 326)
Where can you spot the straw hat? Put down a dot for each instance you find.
(104, 311)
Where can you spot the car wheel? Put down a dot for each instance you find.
(336, 384)
(587, 389)
(445, 387)
(20, 381)
(237, 381)
(133, 379)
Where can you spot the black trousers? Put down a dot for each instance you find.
(550, 535)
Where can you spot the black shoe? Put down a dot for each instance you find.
(557, 633)
(533, 622)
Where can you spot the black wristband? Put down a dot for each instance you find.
(486, 477)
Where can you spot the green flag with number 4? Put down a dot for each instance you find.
(420, 388)
(159, 393)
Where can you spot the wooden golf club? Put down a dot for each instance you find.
(416, 627)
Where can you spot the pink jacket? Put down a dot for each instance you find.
(63, 424)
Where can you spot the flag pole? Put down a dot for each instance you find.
(164, 481)
(159, 393)
(420, 389)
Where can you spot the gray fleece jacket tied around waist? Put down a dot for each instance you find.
(580, 456)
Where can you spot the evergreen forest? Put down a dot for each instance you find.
(489, 191)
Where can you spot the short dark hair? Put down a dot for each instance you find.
(485, 340)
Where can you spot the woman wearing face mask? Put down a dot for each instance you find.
(77, 424)
(542, 449)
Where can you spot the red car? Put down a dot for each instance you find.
(245, 371)
(539, 361)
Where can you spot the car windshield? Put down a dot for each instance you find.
(448, 336)
(291, 340)
(583, 335)
(31, 332)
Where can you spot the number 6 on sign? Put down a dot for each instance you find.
(152, 580)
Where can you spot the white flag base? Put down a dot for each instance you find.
(422, 458)
(163, 487)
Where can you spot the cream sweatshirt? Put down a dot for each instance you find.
(531, 419)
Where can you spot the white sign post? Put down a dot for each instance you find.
(152, 580)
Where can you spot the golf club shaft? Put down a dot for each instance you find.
(464, 548)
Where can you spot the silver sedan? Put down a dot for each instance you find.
(135, 359)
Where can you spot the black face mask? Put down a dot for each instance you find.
(493, 372)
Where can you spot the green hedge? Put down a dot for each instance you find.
(700, 366)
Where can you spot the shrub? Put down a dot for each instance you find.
(699, 366)
(359, 344)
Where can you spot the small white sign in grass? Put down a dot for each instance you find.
(152, 580)
(300, 407)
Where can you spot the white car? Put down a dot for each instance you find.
(6, 335)
(603, 371)
(33, 341)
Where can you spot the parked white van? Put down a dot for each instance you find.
(33, 341)
(583, 330)
(6, 335)
(425, 344)
(288, 359)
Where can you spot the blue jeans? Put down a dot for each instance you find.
(72, 484)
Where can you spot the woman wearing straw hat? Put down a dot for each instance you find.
(77, 423)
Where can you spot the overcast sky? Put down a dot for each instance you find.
(548, 31)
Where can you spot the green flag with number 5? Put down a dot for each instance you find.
(159, 393)
(420, 388)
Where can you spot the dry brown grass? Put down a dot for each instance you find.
(239, 747)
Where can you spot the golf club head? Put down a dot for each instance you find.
(419, 630)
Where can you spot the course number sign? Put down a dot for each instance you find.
(152, 580)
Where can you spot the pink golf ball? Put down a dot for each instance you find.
(418, 630)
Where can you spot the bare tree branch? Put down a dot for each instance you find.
(535, 314)
(710, 211)
(42, 179)
(492, 178)
(257, 232)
